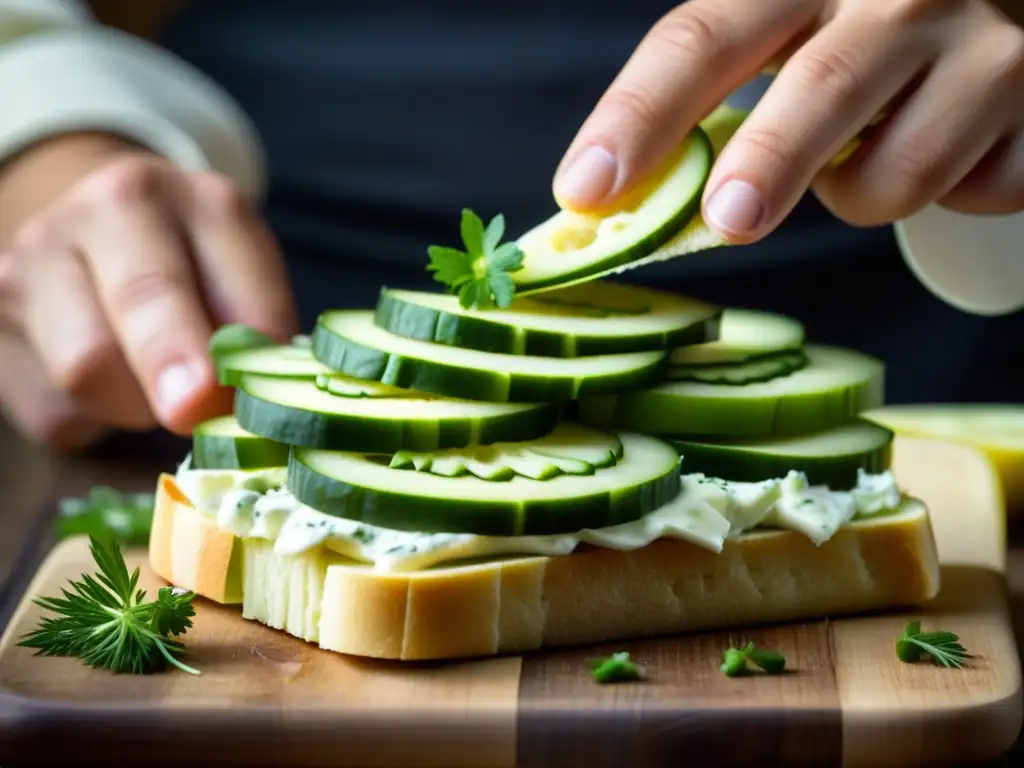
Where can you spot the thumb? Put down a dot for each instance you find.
(687, 64)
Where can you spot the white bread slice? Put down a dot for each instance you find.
(522, 604)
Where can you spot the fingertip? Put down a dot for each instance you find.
(736, 210)
(586, 179)
(187, 393)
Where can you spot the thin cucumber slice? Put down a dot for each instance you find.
(832, 457)
(349, 342)
(744, 335)
(569, 450)
(298, 412)
(363, 487)
(571, 247)
(281, 361)
(222, 443)
(593, 319)
(741, 374)
(835, 386)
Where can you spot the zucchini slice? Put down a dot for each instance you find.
(280, 361)
(222, 443)
(744, 335)
(363, 487)
(836, 385)
(832, 457)
(597, 318)
(568, 450)
(349, 342)
(750, 372)
(571, 247)
(376, 418)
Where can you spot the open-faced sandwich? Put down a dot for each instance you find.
(454, 476)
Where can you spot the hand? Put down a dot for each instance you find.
(948, 75)
(110, 291)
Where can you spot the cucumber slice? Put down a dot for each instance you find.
(572, 247)
(835, 386)
(569, 450)
(592, 319)
(832, 457)
(281, 361)
(744, 335)
(382, 419)
(363, 487)
(222, 443)
(750, 372)
(349, 342)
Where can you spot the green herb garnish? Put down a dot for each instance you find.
(104, 620)
(480, 274)
(735, 661)
(126, 517)
(614, 669)
(943, 647)
(237, 338)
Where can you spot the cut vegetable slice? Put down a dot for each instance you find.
(349, 342)
(744, 335)
(739, 374)
(222, 443)
(997, 430)
(282, 361)
(832, 457)
(570, 247)
(835, 386)
(592, 319)
(298, 412)
(362, 487)
(569, 450)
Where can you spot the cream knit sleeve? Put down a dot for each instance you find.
(60, 71)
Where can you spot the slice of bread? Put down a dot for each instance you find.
(525, 603)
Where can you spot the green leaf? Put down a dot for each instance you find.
(735, 661)
(943, 647)
(237, 338)
(104, 619)
(472, 230)
(614, 669)
(479, 276)
(771, 662)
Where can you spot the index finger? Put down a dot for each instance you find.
(688, 63)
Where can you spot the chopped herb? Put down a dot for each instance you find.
(480, 274)
(107, 512)
(735, 661)
(943, 647)
(256, 484)
(614, 669)
(237, 338)
(106, 622)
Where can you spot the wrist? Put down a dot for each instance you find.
(39, 174)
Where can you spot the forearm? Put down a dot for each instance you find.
(62, 73)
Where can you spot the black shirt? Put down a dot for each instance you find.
(382, 120)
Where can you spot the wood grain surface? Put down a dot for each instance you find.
(268, 699)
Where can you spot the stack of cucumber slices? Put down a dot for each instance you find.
(578, 406)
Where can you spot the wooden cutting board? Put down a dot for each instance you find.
(267, 699)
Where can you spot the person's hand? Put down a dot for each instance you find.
(948, 76)
(111, 289)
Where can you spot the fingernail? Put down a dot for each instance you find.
(589, 177)
(176, 383)
(735, 208)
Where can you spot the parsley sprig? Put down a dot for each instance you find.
(105, 621)
(616, 668)
(943, 647)
(735, 661)
(480, 274)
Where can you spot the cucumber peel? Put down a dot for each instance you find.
(222, 443)
(740, 374)
(744, 335)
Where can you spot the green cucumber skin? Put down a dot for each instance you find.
(222, 452)
(644, 247)
(773, 365)
(411, 513)
(361, 362)
(467, 332)
(722, 461)
(310, 429)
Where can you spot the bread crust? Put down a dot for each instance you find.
(523, 604)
